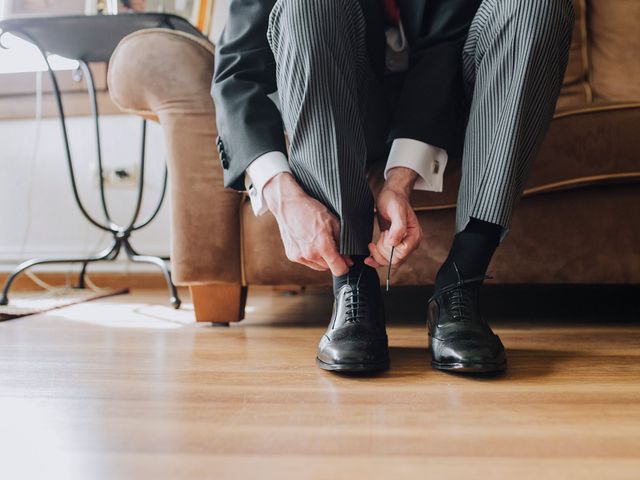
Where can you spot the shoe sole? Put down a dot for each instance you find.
(353, 367)
(470, 367)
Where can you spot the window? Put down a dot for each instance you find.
(20, 56)
(20, 62)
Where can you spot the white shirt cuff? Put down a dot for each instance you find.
(259, 172)
(426, 160)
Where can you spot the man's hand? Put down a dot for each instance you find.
(398, 222)
(309, 231)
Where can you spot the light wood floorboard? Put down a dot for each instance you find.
(128, 388)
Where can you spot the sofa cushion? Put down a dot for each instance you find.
(615, 49)
(556, 238)
(594, 145)
(575, 89)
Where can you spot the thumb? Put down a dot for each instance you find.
(398, 229)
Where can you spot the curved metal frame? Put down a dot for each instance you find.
(121, 234)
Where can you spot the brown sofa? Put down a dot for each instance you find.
(579, 220)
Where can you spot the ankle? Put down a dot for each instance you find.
(470, 253)
(359, 273)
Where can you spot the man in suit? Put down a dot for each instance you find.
(411, 83)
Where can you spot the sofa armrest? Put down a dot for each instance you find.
(166, 75)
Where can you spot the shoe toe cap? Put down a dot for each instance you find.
(353, 352)
(468, 351)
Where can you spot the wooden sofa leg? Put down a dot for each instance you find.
(218, 303)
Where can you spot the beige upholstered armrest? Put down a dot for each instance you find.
(165, 75)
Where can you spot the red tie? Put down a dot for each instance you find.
(392, 12)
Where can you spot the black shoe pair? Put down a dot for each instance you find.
(459, 339)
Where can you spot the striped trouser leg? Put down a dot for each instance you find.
(322, 75)
(514, 61)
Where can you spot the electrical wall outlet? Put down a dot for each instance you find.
(117, 176)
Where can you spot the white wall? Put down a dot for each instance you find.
(38, 215)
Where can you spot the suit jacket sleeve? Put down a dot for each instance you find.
(249, 123)
(433, 107)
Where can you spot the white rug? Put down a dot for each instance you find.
(29, 303)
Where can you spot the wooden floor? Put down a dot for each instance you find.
(126, 388)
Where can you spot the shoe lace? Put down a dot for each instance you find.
(356, 304)
(461, 304)
(460, 299)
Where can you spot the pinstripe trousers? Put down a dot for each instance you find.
(514, 60)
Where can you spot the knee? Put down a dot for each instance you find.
(548, 18)
(307, 21)
(307, 12)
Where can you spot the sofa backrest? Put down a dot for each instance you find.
(604, 61)
(614, 39)
(576, 90)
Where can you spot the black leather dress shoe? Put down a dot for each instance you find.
(356, 340)
(459, 338)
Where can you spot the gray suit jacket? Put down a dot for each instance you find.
(432, 106)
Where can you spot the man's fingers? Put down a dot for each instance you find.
(371, 262)
(311, 261)
(382, 246)
(312, 265)
(347, 259)
(413, 239)
(318, 262)
(398, 229)
(335, 261)
(377, 256)
(400, 254)
(406, 247)
(337, 265)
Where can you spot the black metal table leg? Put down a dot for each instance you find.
(173, 293)
(104, 255)
(81, 275)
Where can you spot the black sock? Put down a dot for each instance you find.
(471, 251)
(368, 274)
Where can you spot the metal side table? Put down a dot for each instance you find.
(93, 39)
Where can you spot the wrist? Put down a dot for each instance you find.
(401, 180)
(279, 188)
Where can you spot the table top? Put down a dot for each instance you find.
(91, 38)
